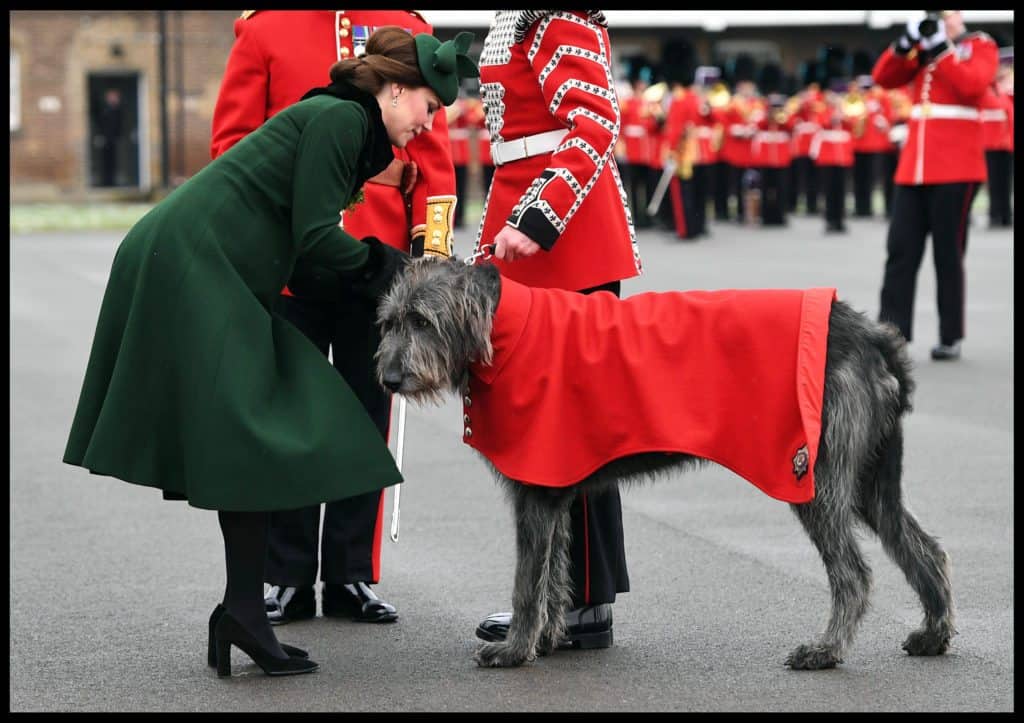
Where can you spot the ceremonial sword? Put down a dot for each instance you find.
(437, 241)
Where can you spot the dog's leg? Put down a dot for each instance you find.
(828, 520)
(923, 561)
(535, 517)
(559, 581)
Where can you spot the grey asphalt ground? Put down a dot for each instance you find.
(111, 587)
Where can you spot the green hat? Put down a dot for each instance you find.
(444, 64)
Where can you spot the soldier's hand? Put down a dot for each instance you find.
(935, 39)
(510, 244)
(911, 35)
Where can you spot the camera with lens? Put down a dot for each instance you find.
(930, 25)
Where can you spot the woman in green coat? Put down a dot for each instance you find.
(194, 386)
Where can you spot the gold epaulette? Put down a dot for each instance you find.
(246, 14)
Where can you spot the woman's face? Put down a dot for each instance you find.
(407, 112)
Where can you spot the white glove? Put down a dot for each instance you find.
(910, 35)
(912, 31)
(936, 39)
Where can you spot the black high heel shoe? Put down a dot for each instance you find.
(228, 631)
(211, 651)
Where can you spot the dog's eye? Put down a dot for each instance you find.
(421, 323)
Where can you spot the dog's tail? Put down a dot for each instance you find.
(893, 348)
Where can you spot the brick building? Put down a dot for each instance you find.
(66, 65)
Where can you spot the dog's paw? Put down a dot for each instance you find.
(547, 644)
(499, 655)
(812, 657)
(927, 642)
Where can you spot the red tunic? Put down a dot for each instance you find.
(279, 55)
(639, 130)
(944, 139)
(997, 121)
(543, 71)
(576, 381)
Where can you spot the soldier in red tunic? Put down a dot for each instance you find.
(942, 162)
(639, 131)
(832, 152)
(278, 56)
(997, 126)
(557, 216)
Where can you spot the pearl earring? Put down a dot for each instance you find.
(394, 102)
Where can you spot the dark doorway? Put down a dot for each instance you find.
(114, 130)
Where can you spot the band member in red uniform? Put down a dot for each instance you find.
(639, 130)
(478, 122)
(997, 127)
(832, 152)
(278, 56)
(459, 142)
(770, 154)
(940, 166)
(558, 217)
(745, 111)
(805, 174)
(871, 142)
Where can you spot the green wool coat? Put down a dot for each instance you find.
(193, 385)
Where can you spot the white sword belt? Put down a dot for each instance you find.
(938, 110)
(538, 143)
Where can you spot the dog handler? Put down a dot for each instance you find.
(194, 386)
(553, 119)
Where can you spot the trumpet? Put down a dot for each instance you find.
(854, 108)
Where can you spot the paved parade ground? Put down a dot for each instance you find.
(111, 587)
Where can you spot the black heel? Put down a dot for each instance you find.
(228, 631)
(211, 648)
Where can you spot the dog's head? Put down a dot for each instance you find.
(434, 322)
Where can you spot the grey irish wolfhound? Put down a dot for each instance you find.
(436, 320)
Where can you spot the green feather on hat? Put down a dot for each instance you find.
(443, 65)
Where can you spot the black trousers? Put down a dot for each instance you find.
(890, 160)
(943, 210)
(598, 557)
(1000, 174)
(634, 177)
(461, 196)
(833, 179)
(352, 527)
(703, 177)
(774, 200)
(720, 189)
(681, 198)
(866, 171)
(805, 183)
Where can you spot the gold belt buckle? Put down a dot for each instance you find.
(926, 110)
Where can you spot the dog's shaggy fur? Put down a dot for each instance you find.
(437, 319)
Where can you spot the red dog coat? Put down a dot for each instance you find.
(576, 381)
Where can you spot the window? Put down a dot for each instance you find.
(15, 91)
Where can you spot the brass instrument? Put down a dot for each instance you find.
(854, 108)
(655, 93)
(718, 96)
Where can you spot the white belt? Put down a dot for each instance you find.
(508, 151)
(998, 115)
(771, 137)
(634, 131)
(458, 133)
(937, 110)
(705, 132)
(835, 136)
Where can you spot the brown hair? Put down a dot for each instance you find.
(390, 58)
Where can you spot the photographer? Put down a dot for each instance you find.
(940, 166)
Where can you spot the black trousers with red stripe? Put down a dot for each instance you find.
(598, 555)
(350, 548)
(942, 210)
